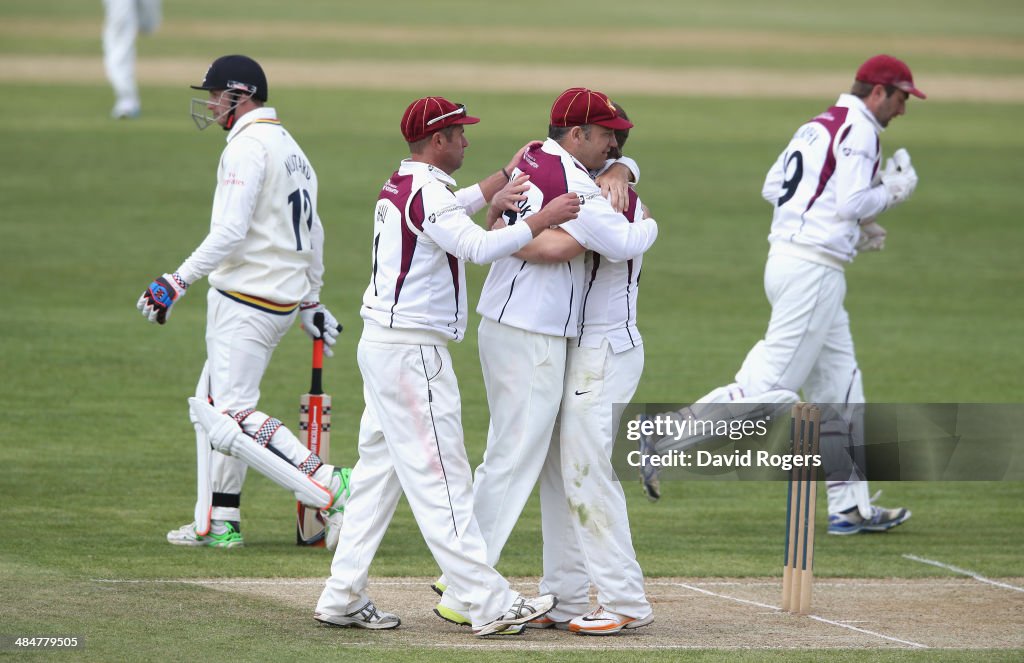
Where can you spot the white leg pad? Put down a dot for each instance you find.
(204, 492)
(226, 436)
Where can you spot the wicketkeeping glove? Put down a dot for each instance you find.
(899, 177)
(331, 326)
(156, 302)
(872, 236)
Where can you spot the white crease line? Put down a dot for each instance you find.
(185, 581)
(235, 581)
(864, 630)
(820, 619)
(966, 572)
(858, 582)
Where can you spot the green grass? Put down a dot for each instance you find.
(94, 436)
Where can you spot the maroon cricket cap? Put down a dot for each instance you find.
(429, 114)
(578, 106)
(887, 70)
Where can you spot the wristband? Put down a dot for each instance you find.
(505, 173)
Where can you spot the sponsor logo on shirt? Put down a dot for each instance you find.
(849, 151)
(444, 211)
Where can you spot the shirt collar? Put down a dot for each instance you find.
(856, 103)
(409, 167)
(551, 146)
(262, 113)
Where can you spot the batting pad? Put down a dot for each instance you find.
(225, 436)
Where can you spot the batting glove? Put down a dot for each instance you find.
(899, 177)
(331, 326)
(156, 302)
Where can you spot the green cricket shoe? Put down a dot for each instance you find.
(222, 534)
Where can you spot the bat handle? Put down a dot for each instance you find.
(318, 355)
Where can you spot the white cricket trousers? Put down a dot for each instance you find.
(240, 340)
(123, 21)
(411, 439)
(807, 345)
(523, 373)
(584, 520)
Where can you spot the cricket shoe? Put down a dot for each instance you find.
(222, 534)
(366, 617)
(881, 520)
(125, 111)
(521, 611)
(606, 622)
(547, 622)
(648, 472)
(459, 619)
(335, 514)
(439, 587)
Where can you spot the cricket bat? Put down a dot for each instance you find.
(315, 422)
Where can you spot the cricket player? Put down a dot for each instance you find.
(123, 21)
(584, 507)
(530, 309)
(410, 436)
(264, 259)
(826, 188)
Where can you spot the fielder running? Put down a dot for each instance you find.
(530, 310)
(826, 189)
(410, 435)
(264, 259)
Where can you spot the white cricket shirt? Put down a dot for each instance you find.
(266, 239)
(610, 295)
(546, 298)
(422, 234)
(821, 184)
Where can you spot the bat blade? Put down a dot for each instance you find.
(315, 423)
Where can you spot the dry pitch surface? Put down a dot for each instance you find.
(700, 613)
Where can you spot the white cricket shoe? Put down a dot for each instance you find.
(366, 617)
(606, 622)
(521, 611)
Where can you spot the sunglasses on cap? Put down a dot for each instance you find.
(460, 110)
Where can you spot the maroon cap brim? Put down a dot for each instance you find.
(466, 119)
(614, 123)
(910, 89)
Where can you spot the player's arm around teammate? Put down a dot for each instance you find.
(261, 266)
(410, 436)
(603, 367)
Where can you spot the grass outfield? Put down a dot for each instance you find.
(93, 209)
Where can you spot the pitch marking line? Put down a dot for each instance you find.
(910, 643)
(966, 572)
